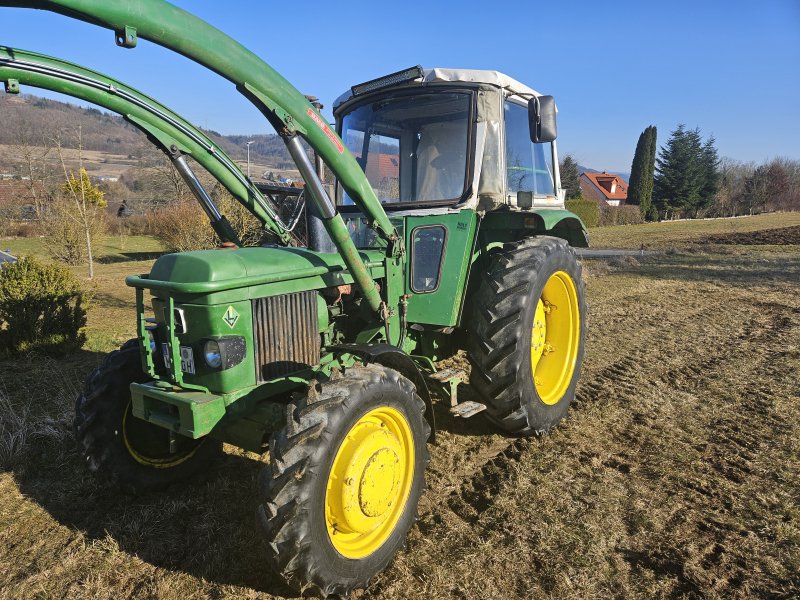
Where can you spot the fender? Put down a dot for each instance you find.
(564, 224)
(393, 358)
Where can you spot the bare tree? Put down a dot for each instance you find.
(31, 148)
(83, 202)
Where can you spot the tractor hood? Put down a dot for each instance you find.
(212, 276)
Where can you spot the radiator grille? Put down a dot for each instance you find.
(286, 331)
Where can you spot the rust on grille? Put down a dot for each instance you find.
(286, 332)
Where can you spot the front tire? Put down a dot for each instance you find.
(123, 449)
(344, 480)
(529, 329)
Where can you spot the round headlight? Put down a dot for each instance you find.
(212, 354)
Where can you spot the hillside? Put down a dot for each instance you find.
(24, 118)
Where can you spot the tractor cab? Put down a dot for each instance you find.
(445, 231)
(450, 139)
(450, 153)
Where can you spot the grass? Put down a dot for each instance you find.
(676, 474)
(112, 317)
(671, 234)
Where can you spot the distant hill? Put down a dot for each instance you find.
(39, 119)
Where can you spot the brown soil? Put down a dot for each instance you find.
(677, 472)
(771, 237)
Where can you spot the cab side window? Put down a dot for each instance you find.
(427, 252)
(528, 165)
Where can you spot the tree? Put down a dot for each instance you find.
(652, 213)
(640, 186)
(687, 178)
(80, 208)
(568, 169)
(768, 188)
(31, 148)
(730, 199)
(709, 163)
(756, 190)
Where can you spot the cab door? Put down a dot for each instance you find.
(439, 250)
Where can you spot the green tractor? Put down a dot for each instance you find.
(444, 231)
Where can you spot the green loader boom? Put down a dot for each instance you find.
(444, 233)
(172, 134)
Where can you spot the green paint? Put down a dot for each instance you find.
(190, 413)
(442, 307)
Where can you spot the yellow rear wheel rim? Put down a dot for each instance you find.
(369, 482)
(555, 337)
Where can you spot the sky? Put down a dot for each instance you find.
(729, 67)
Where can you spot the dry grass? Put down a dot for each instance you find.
(671, 234)
(676, 474)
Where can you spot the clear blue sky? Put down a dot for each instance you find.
(730, 67)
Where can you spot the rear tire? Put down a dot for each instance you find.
(124, 449)
(528, 333)
(344, 480)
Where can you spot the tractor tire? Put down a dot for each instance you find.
(528, 330)
(122, 449)
(344, 480)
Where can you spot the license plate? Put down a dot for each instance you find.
(187, 358)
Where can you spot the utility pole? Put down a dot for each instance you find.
(248, 157)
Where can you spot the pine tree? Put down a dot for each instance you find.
(640, 188)
(709, 160)
(568, 170)
(680, 174)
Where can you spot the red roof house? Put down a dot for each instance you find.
(612, 189)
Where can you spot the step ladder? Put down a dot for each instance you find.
(448, 380)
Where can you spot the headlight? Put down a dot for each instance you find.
(212, 354)
(224, 352)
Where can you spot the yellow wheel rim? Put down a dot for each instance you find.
(555, 337)
(153, 459)
(369, 482)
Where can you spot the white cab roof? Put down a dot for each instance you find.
(495, 78)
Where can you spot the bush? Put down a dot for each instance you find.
(133, 225)
(587, 210)
(41, 308)
(620, 215)
(182, 227)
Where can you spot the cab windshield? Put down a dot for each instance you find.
(412, 147)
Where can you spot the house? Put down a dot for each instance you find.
(612, 189)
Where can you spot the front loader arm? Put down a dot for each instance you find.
(170, 132)
(283, 105)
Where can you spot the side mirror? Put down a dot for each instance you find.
(542, 119)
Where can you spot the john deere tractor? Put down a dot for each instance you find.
(444, 231)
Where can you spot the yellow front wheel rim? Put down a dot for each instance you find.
(555, 337)
(369, 482)
(156, 462)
